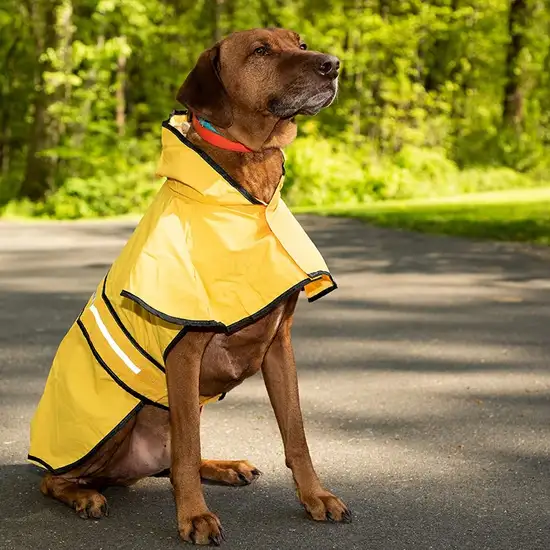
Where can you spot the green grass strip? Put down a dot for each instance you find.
(511, 215)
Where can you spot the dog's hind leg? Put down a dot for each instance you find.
(78, 488)
(87, 502)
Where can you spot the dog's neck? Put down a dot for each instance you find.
(259, 171)
(263, 132)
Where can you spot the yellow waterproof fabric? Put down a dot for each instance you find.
(232, 254)
(206, 254)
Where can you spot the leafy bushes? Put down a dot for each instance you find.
(433, 96)
(97, 184)
(320, 172)
(101, 195)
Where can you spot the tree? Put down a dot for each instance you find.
(84, 84)
(513, 103)
(39, 174)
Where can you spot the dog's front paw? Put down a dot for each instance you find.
(325, 506)
(201, 529)
(229, 472)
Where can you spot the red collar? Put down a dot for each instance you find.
(216, 139)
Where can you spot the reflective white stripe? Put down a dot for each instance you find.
(112, 343)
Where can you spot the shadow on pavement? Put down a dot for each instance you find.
(424, 379)
(268, 516)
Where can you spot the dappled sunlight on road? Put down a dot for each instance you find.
(424, 381)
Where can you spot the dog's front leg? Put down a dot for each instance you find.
(279, 370)
(196, 523)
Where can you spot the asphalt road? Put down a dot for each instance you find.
(425, 383)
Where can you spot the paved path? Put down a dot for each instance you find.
(425, 383)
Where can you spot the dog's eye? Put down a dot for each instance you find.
(303, 46)
(262, 50)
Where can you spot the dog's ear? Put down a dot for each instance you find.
(203, 91)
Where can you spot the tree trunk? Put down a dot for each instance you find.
(230, 10)
(354, 37)
(358, 82)
(65, 32)
(121, 94)
(271, 12)
(5, 150)
(64, 38)
(39, 169)
(218, 8)
(437, 74)
(512, 111)
(375, 129)
(6, 95)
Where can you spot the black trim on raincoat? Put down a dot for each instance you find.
(119, 322)
(173, 343)
(217, 326)
(124, 386)
(94, 449)
(250, 198)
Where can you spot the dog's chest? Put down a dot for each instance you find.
(230, 359)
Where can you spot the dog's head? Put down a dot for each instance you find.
(259, 74)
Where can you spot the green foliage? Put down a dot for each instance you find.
(120, 183)
(319, 171)
(99, 196)
(322, 172)
(102, 195)
(436, 97)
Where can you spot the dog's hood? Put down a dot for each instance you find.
(207, 253)
(185, 163)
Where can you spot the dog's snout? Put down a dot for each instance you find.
(328, 66)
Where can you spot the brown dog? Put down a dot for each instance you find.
(249, 86)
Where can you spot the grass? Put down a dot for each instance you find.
(512, 215)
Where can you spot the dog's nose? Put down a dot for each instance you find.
(328, 66)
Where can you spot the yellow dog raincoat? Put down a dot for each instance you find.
(206, 254)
